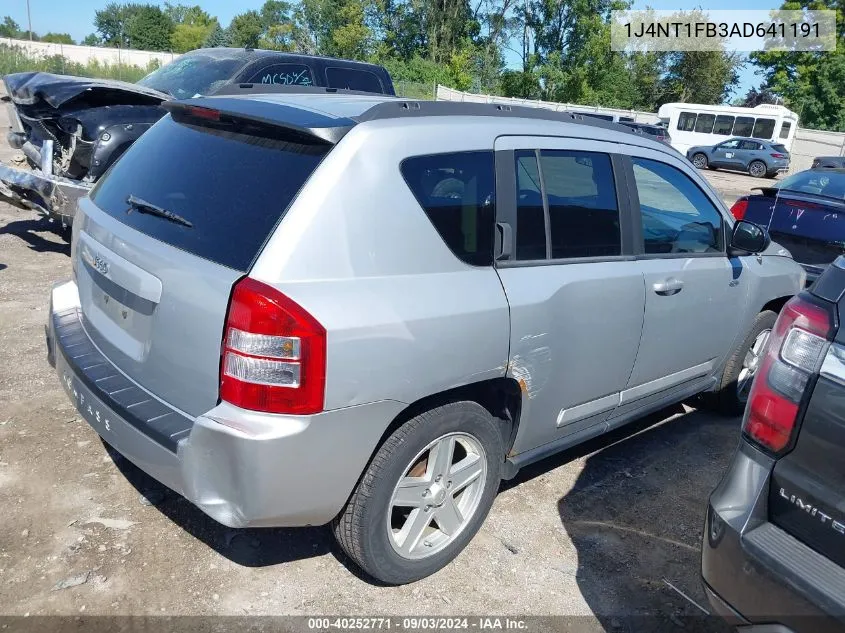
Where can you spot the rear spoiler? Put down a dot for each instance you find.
(310, 127)
(769, 192)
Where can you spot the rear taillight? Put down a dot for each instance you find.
(777, 155)
(739, 208)
(791, 357)
(274, 353)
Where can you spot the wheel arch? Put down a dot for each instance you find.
(501, 397)
(775, 305)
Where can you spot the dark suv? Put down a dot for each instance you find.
(774, 540)
(72, 129)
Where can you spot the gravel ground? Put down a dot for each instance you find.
(599, 532)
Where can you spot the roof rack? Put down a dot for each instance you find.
(412, 109)
(259, 88)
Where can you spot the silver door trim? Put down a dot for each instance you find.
(587, 409)
(666, 382)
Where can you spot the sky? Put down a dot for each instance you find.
(77, 17)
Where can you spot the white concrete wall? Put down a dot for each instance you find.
(449, 94)
(811, 143)
(807, 143)
(83, 54)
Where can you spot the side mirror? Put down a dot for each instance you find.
(748, 238)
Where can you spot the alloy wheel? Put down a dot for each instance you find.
(437, 496)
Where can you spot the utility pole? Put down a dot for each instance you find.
(29, 19)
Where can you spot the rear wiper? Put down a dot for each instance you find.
(142, 206)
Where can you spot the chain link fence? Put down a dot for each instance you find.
(415, 90)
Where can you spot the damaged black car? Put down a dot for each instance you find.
(70, 130)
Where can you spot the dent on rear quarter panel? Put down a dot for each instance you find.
(405, 318)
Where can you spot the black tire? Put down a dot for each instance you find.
(725, 398)
(361, 527)
(757, 169)
(699, 160)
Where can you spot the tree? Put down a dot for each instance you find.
(246, 30)
(10, 28)
(185, 14)
(811, 83)
(216, 38)
(187, 37)
(111, 23)
(92, 39)
(700, 76)
(755, 97)
(280, 30)
(58, 38)
(149, 29)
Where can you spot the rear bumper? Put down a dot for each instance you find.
(244, 469)
(53, 196)
(755, 574)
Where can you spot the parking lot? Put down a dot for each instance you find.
(610, 531)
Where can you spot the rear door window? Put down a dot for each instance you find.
(232, 187)
(530, 217)
(581, 194)
(457, 193)
(284, 75)
(353, 79)
(566, 205)
(784, 129)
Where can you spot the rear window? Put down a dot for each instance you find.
(232, 187)
(457, 193)
(353, 79)
(830, 184)
(780, 148)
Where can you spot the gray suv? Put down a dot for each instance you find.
(757, 157)
(311, 308)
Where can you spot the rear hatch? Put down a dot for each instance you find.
(811, 227)
(807, 493)
(169, 230)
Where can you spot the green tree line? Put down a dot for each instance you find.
(557, 50)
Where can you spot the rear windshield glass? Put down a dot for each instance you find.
(780, 148)
(231, 187)
(830, 184)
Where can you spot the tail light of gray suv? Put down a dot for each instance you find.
(792, 357)
(274, 353)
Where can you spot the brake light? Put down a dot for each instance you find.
(800, 204)
(739, 208)
(204, 113)
(274, 353)
(791, 357)
(777, 155)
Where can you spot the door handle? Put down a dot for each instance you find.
(668, 287)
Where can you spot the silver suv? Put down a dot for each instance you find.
(310, 308)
